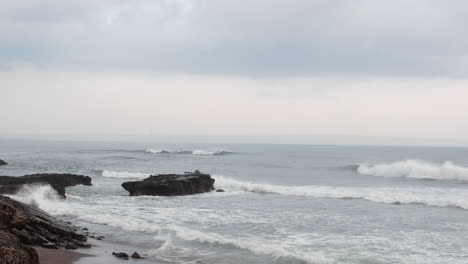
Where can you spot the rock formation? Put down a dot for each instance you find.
(2, 162)
(22, 225)
(171, 184)
(11, 185)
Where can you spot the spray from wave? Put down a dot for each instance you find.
(437, 197)
(204, 152)
(40, 196)
(124, 174)
(416, 169)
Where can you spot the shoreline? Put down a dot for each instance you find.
(62, 256)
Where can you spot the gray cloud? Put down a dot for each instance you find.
(262, 37)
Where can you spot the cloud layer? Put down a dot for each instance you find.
(227, 37)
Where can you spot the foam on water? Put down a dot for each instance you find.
(277, 251)
(41, 196)
(205, 152)
(438, 197)
(124, 174)
(416, 169)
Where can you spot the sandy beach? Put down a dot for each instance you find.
(62, 256)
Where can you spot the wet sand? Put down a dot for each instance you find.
(55, 256)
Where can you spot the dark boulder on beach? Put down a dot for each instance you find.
(11, 185)
(120, 255)
(2, 162)
(23, 225)
(171, 184)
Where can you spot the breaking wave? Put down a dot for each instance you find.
(207, 152)
(277, 251)
(40, 196)
(416, 169)
(437, 197)
(124, 174)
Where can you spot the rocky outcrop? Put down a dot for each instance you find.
(13, 252)
(171, 184)
(2, 162)
(22, 225)
(11, 185)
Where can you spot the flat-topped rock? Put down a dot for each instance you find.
(11, 185)
(171, 184)
(34, 227)
(2, 162)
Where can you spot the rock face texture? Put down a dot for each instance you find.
(171, 184)
(13, 252)
(2, 162)
(34, 227)
(11, 185)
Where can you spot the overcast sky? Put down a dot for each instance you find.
(385, 69)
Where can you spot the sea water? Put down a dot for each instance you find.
(282, 203)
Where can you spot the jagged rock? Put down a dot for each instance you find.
(2, 162)
(11, 185)
(220, 190)
(171, 184)
(135, 255)
(35, 227)
(13, 252)
(120, 255)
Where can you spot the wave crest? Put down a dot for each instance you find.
(206, 152)
(437, 197)
(416, 169)
(124, 174)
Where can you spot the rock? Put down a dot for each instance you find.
(220, 190)
(11, 185)
(34, 227)
(171, 184)
(2, 163)
(135, 255)
(13, 252)
(120, 255)
(100, 237)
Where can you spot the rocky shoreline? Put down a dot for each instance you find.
(23, 226)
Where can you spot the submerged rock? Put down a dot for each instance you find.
(31, 226)
(220, 190)
(135, 255)
(2, 162)
(171, 184)
(120, 255)
(11, 185)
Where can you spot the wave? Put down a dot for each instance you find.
(437, 197)
(206, 152)
(413, 168)
(124, 174)
(277, 251)
(40, 196)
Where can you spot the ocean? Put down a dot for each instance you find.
(282, 203)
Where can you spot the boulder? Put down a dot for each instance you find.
(34, 227)
(120, 255)
(2, 162)
(219, 190)
(11, 185)
(13, 252)
(171, 184)
(135, 255)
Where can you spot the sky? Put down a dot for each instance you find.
(363, 71)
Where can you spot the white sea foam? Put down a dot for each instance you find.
(416, 169)
(207, 152)
(438, 197)
(41, 196)
(124, 174)
(276, 250)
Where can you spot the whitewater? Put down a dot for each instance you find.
(282, 203)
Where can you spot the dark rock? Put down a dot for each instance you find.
(135, 255)
(71, 246)
(120, 255)
(13, 252)
(100, 237)
(220, 190)
(171, 184)
(34, 227)
(11, 185)
(2, 162)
